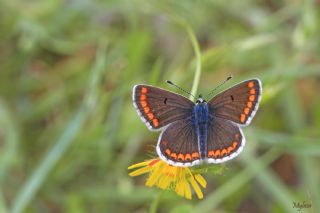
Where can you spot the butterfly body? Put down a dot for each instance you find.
(201, 120)
(193, 133)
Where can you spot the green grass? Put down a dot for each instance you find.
(68, 130)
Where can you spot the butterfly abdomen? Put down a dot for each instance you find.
(201, 115)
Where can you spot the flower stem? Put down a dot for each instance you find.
(196, 48)
(197, 75)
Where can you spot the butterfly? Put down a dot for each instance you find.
(193, 133)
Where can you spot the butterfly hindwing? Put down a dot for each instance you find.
(178, 144)
(238, 103)
(158, 107)
(225, 140)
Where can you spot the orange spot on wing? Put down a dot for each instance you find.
(234, 144)
(150, 116)
(251, 98)
(249, 104)
(242, 118)
(173, 155)
(188, 157)
(223, 152)
(252, 91)
(155, 122)
(168, 152)
(143, 103)
(146, 109)
(251, 84)
(143, 97)
(246, 110)
(144, 90)
(217, 154)
(181, 157)
(195, 155)
(230, 149)
(211, 153)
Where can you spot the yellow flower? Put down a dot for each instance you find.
(168, 177)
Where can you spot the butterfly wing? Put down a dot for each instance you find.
(158, 107)
(225, 140)
(238, 103)
(178, 144)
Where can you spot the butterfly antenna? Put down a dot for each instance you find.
(170, 82)
(219, 85)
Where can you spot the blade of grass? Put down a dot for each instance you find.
(8, 147)
(298, 145)
(311, 189)
(307, 166)
(196, 48)
(3, 207)
(272, 184)
(10, 143)
(34, 182)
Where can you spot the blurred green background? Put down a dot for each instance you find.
(68, 130)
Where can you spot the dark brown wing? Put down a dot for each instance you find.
(178, 144)
(158, 107)
(225, 140)
(238, 103)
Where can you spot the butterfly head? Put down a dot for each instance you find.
(200, 100)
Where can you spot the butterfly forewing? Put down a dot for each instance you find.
(178, 144)
(158, 107)
(239, 103)
(224, 141)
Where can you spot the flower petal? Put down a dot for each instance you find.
(155, 174)
(168, 177)
(144, 163)
(187, 190)
(164, 182)
(196, 187)
(140, 171)
(179, 189)
(201, 180)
